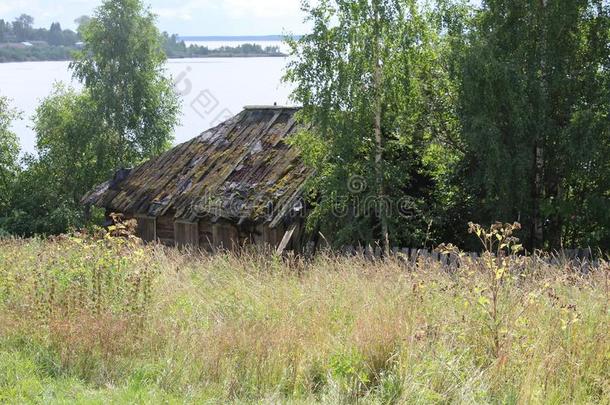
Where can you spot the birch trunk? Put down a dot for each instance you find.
(381, 199)
(538, 226)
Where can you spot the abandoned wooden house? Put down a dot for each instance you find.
(235, 184)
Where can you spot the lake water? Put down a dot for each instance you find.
(212, 90)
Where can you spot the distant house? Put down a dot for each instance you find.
(14, 45)
(238, 183)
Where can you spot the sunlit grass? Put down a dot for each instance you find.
(102, 321)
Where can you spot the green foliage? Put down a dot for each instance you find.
(365, 59)
(102, 275)
(125, 114)
(37, 207)
(23, 27)
(122, 67)
(75, 153)
(82, 21)
(48, 44)
(9, 154)
(535, 79)
(502, 270)
(418, 118)
(74, 142)
(57, 44)
(55, 35)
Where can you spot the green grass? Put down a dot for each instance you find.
(111, 321)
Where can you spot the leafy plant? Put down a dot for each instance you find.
(499, 265)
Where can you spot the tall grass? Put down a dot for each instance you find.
(110, 320)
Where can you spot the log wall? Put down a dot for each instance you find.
(208, 236)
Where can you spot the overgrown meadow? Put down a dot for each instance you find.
(109, 320)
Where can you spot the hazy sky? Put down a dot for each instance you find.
(187, 17)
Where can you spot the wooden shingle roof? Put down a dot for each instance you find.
(239, 170)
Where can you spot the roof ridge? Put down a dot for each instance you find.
(270, 107)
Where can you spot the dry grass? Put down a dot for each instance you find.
(112, 321)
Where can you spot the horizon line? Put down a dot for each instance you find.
(274, 37)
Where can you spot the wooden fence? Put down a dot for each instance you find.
(580, 257)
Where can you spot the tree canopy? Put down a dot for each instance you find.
(9, 153)
(122, 67)
(125, 113)
(534, 108)
(366, 80)
(494, 112)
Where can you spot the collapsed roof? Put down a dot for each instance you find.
(241, 170)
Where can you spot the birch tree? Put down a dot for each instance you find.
(362, 77)
(535, 69)
(122, 65)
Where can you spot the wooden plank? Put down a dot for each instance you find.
(286, 239)
(186, 234)
(272, 236)
(225, 236)
(165, 230)
(147, 228)
(206, 235)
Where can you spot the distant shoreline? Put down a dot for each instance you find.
(175, 48)
(169, 58)
(22, 58)
(254, 55)
(227, 38)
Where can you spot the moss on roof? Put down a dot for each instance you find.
(239, 170)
